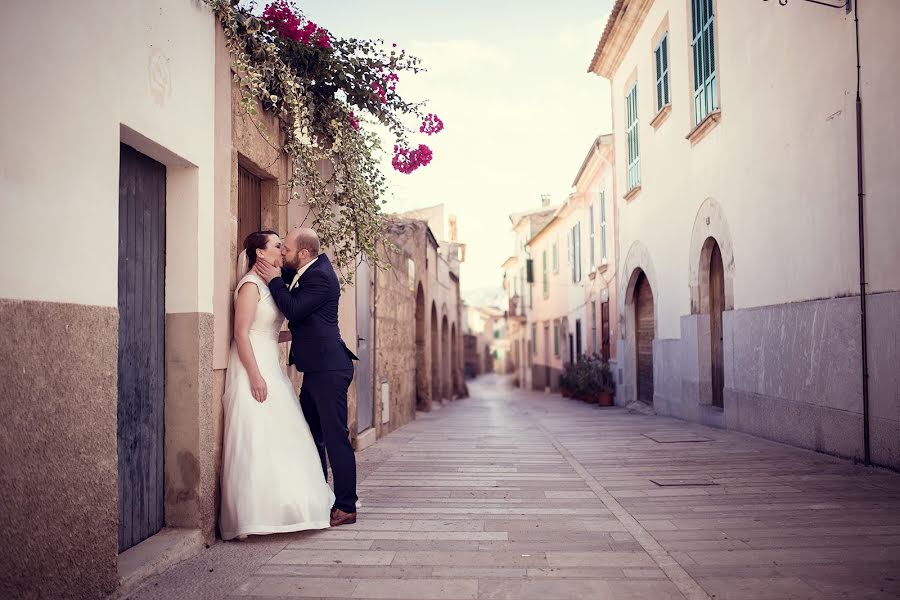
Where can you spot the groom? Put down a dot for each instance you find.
(309, 301)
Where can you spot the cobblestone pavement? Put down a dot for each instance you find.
(513, 494)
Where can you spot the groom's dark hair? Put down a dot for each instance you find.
(256, 241)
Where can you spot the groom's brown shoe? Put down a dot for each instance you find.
(339, 517)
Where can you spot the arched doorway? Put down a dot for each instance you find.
(645, 326)
(435, 356)
(716, 334)
(421, 379)
(445, 363)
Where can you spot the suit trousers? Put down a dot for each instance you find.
(323, 399)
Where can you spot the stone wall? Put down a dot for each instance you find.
(58, 441)
(395, 338)
(793, 374)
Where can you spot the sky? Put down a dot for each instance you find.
(509, 80)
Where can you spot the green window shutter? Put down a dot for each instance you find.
(603, 225)
(703, 51)
(546, 282)
(661, 59)
(634, 157)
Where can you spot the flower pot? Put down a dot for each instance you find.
(605, 399)
(566, 393)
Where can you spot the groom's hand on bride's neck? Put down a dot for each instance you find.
(266, 271)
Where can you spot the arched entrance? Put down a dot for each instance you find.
(421, 379)
(716, 334)
(645, 328)
(445, 363)
(711, 282)
(435, 356)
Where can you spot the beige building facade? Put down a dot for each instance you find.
(573, 311)
(115, 348)
(417, 331)
(736, 182)
(518, 275)
(488, 348)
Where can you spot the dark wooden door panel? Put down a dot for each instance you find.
(141, 362)
(716, 307)
(645, 330)
(249, 205)
(604, 330)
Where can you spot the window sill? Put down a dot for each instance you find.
(632, 193)
(603, 268)
(704, 127)
(661, 116)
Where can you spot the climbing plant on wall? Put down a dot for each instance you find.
(324, 89)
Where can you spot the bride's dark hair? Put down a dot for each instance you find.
(256, 241)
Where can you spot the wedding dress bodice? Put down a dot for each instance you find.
(268, 318)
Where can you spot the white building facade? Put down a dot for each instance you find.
(739, 239)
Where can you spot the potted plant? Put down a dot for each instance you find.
(607, 387)
(567, 381)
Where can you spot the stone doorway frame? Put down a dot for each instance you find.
(710, 229)
(637, 261)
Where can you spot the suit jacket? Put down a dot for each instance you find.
(311, 309)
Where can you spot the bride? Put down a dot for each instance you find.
(272, 477)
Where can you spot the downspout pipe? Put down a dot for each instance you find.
(860, 200)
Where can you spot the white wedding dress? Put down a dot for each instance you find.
(272, 478)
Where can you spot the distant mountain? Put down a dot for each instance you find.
(485, 296)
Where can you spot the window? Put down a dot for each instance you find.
(661, 58)
(602, 227)
(575, 254)
(546, 282)
(703, 48)
(534, 338)
(555, 258)
(591, 229)
(634, 153)
(556, 339)
(593, 326)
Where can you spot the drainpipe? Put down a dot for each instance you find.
(860, 200)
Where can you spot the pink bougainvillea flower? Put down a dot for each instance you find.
(284, 19)
(431, 124)
(406, 161)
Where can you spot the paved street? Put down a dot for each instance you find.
(519, 495)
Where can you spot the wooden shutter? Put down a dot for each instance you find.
(249, 205)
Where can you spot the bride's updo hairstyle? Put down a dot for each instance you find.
(256, 241)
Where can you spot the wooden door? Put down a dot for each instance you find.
(365, 409)
(644, 332)
(578, 349)
(546, 355)
(716, 307)
(141, 361)
(604, 330)
(249, 205)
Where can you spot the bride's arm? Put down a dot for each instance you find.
(244, 312)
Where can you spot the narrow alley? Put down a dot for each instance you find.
(517, 494)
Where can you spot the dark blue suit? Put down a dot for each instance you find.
(318, 352)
